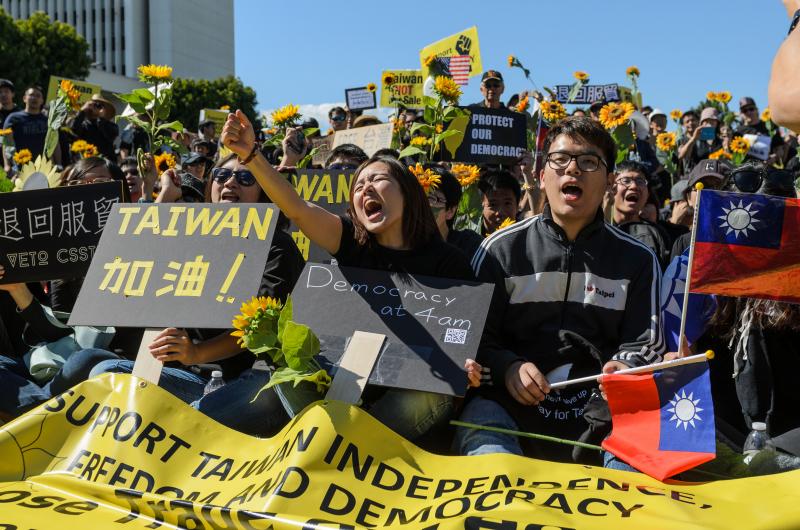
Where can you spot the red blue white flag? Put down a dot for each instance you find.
(459, 69)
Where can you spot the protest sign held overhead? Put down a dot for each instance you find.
(432, 325)
(86, 90)
(491, 136)
(460, 52)
(370, 138)
(360, 98)
(53, 233)
(186, 265)
(327, 189)
(402, 87)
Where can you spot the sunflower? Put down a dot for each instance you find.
(711, 96)
(721, 154)
(553, 111)
(765, 116)
(164, 161)
(371, 87)
(740, 146)
(154, 73)
(252, 314)
(447, 89)
(511, 60)
(427, 178)
(466, 174)
(522, 106)
(225, 107)
(90, 151)
(398, 125)
(676, 114)
(78, 146)
(508, 222)
(439, 128)
(581, 76)
(388, 79)
(71, 92)
(5, 132)
(285, 115)
(428, 60)
(724, 97)
(632, 71)
(615, 114)
(665, 141)
(22, 157)
(420, 141)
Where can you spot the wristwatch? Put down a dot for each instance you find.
(795, 20)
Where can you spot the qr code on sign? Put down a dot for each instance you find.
(455, 336)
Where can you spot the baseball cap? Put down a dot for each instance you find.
(709, 113)
(192, 188)
(205, 123)
(194, 158)
(677, 190)
(491, 74)
(745, 101)
(5, 83)
(709, 170)
(657, 112)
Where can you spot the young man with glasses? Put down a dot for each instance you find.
(573, 296)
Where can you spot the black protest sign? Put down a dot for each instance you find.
(432, 325)
(183, 265)
(588, 93)
(491, 136)
(360, 98)
(327, 189)
(53, 233)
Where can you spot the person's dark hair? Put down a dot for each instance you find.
(83, 166)
(36, 87)
(498, 179)
(348, 151)
(418, 225)
(449, 186)
(634, 165)
(585, 130)
(387, 151)
(595, 107)
(690, 112)
(336, 110)
(128, 161)
(647, 109)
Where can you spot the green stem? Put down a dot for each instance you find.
(526, 435)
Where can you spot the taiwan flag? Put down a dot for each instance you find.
(747, 245)
(663, 422)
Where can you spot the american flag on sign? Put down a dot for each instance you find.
(459, 68)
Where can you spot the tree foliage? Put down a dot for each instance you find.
(32, 50)
(191, 95)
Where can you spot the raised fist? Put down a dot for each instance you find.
(463, 45)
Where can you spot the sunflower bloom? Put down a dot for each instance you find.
(285, 115)
(740, 146)
(724, 97)
(711, 96)
(553, 111)
(388, 79)
(721, 154)
(508, 222)
(165, 161)
(371, 87)
(154, 73)
(71, 92)
(676, 114)
(5, 132)
(522, 106)
(665, 141)
(632, 71)
(90, 151)
(447, 89)
(765, 116)
(511, 60)
(615, 114)
(581, 76)
(398, 125)
(427, 178)
(23, 156)
(439, 128)
(466, 174)
(78, 146)
(420, 141)
(225, 107)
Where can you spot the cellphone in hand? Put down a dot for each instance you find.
(707, 133)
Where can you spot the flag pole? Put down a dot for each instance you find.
(701, 357)
(682, 335)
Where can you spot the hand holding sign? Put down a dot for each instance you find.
(174, 345)
(238, 134)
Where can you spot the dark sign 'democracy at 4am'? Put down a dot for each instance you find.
(52, 233)
(183, 265)
(329, 190)
(491, 136)
(432, 325)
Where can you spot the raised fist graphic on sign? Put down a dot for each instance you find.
(463, 45)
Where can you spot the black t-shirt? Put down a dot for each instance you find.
(466, 240)
(702, 149)
(435, 258)
(98, 131)
(28, 130)
(6, 113)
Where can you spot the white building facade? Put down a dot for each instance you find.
(195, 37)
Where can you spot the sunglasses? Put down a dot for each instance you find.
(749, 180)
(243, 177)
(341, 166)
(338, 117)
(81, 179)
(492, 85)
(748, 109)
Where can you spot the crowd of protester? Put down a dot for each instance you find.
(614, 227)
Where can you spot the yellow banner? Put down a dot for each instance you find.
(116, 452)
(462, 43)
(86, 89)
(405, 88)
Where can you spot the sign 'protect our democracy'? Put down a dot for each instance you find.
(491, 136)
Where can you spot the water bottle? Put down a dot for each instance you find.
(215, 382)
(756, 441)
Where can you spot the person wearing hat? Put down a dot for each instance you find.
(196, 165)
(701, 141)
(28, 126)
(207, 131)
(752, 124)
(492, 88)
(658, 124)
(7, 105)
(95, 125)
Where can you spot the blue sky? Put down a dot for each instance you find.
(683, 48)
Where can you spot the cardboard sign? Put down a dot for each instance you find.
(87, 90)
(371, 138)
(360, 98)
(759, 145)
(53, 233)
(323, 146)
(462, 43)
(405, 89)
(432, 325)
(217, 116)
(327, 189)
(183, 265)
(491, 136)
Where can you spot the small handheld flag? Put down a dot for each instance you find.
(663, 422)
(699, 310)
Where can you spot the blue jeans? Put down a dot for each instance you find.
(481, 411)
(19, 392)
(185, 385)
(612, 462)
